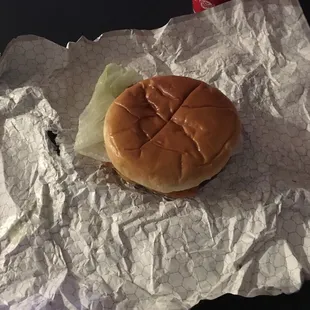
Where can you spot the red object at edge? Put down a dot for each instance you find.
(201, 5)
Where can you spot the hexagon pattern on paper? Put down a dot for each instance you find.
(72, 235)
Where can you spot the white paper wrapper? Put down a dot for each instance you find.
(73, 237)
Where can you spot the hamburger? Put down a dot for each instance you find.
(170, 134)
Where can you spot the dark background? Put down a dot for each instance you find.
(67, 20)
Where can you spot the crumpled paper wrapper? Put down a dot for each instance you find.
(72, 236)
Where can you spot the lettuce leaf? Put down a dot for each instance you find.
(113, 81)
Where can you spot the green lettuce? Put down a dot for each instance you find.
(113, 81)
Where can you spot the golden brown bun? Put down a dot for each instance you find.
(187, 193)
(171, 133)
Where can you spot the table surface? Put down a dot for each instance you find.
(67, 20)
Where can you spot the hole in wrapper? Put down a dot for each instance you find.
(52, 137)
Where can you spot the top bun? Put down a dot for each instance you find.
(171, 133)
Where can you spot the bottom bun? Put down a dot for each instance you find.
(188, 193)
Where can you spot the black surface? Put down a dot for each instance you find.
(297, 301)
(63, 21)
(67, 20)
